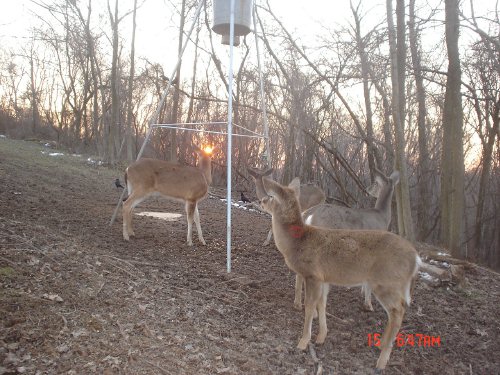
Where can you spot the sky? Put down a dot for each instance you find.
(156, 34)
(156, 37)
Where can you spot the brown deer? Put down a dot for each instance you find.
(310, 195)
(338, 217)
(184, 183)
(384, 261)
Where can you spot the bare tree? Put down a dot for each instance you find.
(423, 208)
(452, 159)
(130, 114)
(405, 223)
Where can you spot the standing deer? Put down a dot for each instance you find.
(384, 261)
(338, 217)
(185, 183)
(310, 195)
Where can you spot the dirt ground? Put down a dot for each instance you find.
(76, 298)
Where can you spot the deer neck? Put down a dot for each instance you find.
(383, 203)
(206, 169)
(288, 233)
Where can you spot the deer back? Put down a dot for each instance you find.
(169, 179)
(379, 217)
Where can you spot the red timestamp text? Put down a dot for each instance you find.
(407, 339)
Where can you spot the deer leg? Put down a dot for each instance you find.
(297, 302)
(127, 208)
(394, 306)
(190, 210)
(269, 237)
(312, 295)
(367, 291)
(198, 225)
(322, 314)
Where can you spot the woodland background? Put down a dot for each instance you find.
(418, 91)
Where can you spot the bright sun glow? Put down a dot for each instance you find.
(208, 149)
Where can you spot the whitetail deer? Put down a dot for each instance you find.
(338, 217)
(310, 195)
(384, 261)
(185, 183)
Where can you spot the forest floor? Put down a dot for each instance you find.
(75, 298)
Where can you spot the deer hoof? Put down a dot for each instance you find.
(303, 344)
(320, 339)
(368, 307)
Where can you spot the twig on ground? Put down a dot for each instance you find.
(337, 319)
(316, 360)
(9, 261)
(156, 366)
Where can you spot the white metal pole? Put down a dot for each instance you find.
(230, 137)
(261, 78)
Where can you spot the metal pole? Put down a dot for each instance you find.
(261, 78)
(230, 137)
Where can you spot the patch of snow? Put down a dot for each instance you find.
(426, 276)
(94, 162)
(56, 154)
(168, 216)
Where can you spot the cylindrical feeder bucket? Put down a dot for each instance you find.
(242, 17)
(225, 40)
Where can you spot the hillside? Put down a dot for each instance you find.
(76, 298)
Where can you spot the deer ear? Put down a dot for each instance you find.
(272, 187)
(374, 189)
(295, 186)
(394, 177)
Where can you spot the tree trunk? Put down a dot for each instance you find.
(129, 128)
(452, 176)
(487, 161)
(372, 154)
(405, 224)
(424, 196)
(113, 123)
(175, 105)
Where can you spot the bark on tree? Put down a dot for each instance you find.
(405, 223)
(115, 107)
(130, 114)
(372, 162)
(176, 97)
(423, 208)
(452, 176)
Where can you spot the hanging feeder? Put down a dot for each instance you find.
(242, 17)
(225, 40)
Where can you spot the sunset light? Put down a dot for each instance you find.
(208, 149)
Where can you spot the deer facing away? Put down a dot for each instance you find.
(383, 261)
(184, 183)
(338, 217)
(310, 195)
